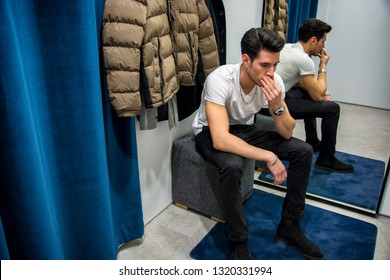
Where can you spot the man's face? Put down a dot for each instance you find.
(264, 64)
(319, 45)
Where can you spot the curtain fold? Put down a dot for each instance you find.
(69, 172)
(298, 11)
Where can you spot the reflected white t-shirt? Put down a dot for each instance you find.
(223, 87)
(294, 63)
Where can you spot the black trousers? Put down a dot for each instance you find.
(301, 106)
(230, 166)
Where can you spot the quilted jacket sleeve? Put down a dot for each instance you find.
(207, 44)
(123, 33)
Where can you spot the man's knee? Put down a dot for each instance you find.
(234, 166)
(332, 107)
(304, 151)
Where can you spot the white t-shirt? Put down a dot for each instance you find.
(223, 87)
(294, 62)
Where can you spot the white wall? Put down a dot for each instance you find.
(359, 44)
(240, 17)
(154, 161)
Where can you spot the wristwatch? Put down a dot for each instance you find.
(321, 70)
(279, 111)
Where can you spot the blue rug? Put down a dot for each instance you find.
(362, 188)
(340, 237)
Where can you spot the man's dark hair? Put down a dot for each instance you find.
(313, 27)
(257, 39)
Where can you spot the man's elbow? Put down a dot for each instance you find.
(287, 135)
(318, 98)
(218, 144)
(287, 130)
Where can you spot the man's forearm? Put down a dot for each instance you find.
(230, 143)
(284, 123)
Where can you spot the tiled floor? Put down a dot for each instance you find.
(174, 232)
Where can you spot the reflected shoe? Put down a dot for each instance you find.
(290, 232)
(331, 163)
(239, 251)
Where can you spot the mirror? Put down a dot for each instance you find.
(360, 190)
(363, 135)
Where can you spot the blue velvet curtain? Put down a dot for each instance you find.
(69, 173)
(298, 11)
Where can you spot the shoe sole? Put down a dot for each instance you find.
(333, 170)
(296, 248)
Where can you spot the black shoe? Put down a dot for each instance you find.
(239, 251)
(290, 232)
(331, 163)
(315, 144)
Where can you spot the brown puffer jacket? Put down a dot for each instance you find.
(152, 46)
(193, 36)
(138, 55)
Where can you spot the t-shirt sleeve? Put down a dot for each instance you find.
(306, 66)
(216, 89)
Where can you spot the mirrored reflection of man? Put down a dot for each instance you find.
(307, 96)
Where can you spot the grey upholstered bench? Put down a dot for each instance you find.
(195, 181)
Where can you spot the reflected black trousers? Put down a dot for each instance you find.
(301, 106)
(230, 168)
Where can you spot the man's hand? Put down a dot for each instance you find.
(284, 123)
(324, 58)
(272, 92)
(279, 172)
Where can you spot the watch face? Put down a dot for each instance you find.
(279, 111)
